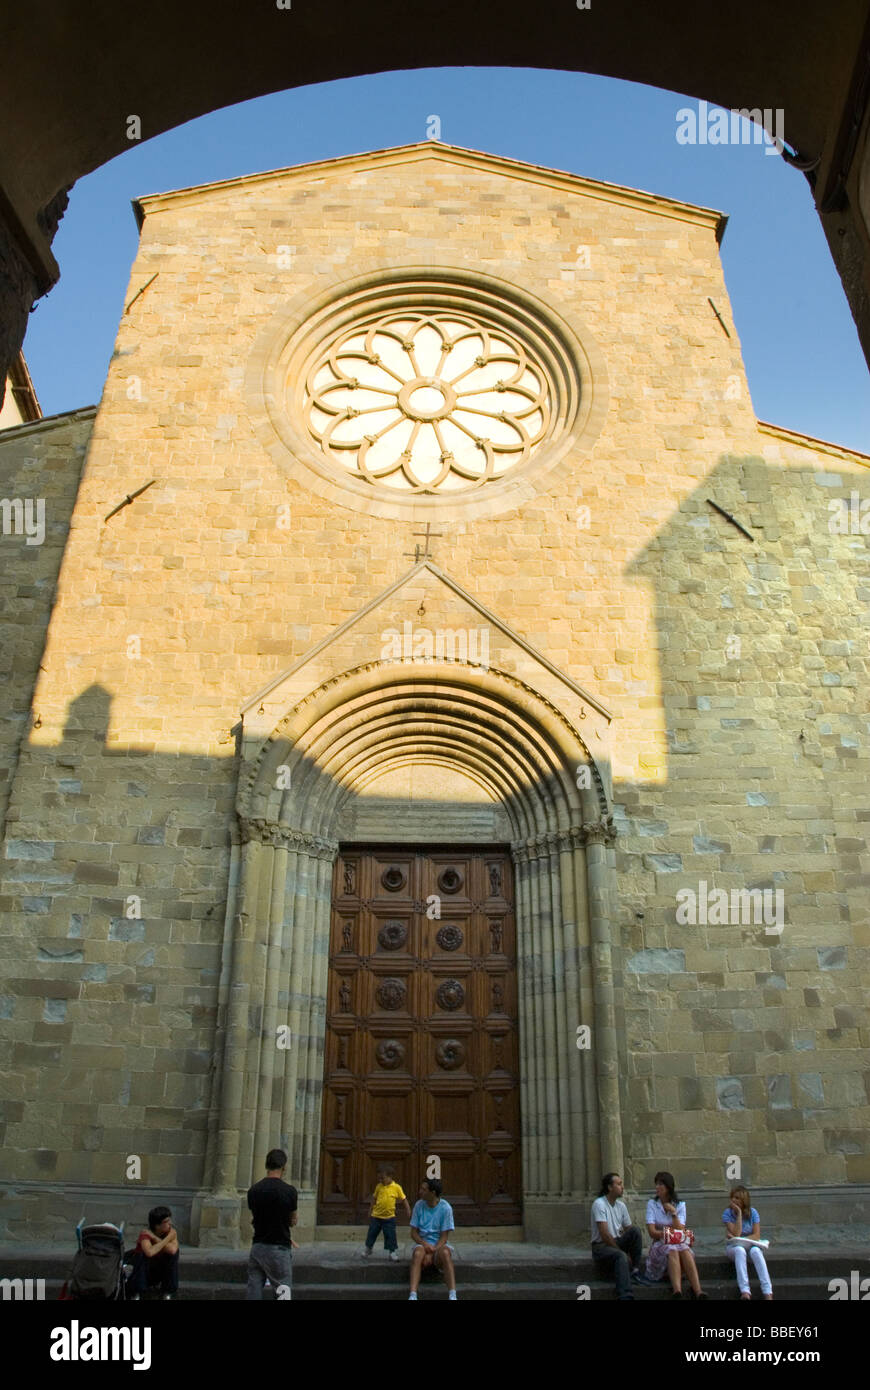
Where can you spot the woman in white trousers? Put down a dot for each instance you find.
(741, 1219)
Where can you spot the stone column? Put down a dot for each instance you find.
(313, 1093)
(250, 1164)
(551, 1120)
(565, 1050)
(599, 837)
(546, 1045)
(215, 1212)
(574, 942)
(526, 1022)
(309, 910)
(271, 1056)
(223, 1008)
(237, 1033)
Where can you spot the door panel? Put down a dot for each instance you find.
(421, 1038)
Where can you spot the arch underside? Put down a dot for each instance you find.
(66, 101)
(180, 69)
(499, 734)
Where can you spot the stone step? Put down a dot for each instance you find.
(310, 1267)
(786, 1290)
(516, 1272)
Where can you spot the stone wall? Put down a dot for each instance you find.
(743, 1040)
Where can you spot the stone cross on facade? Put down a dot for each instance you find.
(427, 535)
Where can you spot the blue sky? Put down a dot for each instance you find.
(805, 367)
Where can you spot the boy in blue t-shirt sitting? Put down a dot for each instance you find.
(431, 1222)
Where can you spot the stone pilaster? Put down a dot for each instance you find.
(280, 954)
(554, 872)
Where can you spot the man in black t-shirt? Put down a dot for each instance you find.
(273, 1206)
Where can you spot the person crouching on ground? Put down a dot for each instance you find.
(382, 1216)
(616, 1244)
(155, 1259)
(431, 1223)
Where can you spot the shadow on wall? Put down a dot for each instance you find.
(736, 1023)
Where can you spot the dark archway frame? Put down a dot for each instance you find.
(75, 74)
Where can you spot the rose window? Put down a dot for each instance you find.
(424, 393)
(426, 402)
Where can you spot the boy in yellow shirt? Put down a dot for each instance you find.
(383, 1213)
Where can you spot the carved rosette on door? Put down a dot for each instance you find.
(421, 1041)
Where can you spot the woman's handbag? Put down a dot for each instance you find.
(683, 1240)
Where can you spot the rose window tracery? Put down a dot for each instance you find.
(425, 386)
(427, 402)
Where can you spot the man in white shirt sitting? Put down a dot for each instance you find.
(616, 1244)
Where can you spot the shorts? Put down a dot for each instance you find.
(432, 1240)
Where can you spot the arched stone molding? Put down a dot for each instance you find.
(522, 750)
(369, 687)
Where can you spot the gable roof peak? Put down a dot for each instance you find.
(506, 165)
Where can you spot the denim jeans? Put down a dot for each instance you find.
(387, 1224)
(272, 1262)
(154, 1272)
(618, 1262)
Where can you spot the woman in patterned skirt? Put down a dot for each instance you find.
(663, 1210)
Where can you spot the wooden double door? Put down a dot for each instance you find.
(421, 1059)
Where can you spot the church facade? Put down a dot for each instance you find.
(437, 724)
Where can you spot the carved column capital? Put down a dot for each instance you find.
(599, 832)
(283, 836)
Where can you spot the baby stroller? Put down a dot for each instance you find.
(98, 1271)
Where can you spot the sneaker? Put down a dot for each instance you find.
(167, 1297)
(412, 1298)
(365, 1252)
(451, 1297)
(639, 1277)
(135, 1298)
(394, 1254)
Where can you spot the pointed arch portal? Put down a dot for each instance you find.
(526, 758)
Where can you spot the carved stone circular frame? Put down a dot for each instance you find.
(298, 333)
